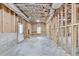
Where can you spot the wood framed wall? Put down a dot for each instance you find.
(43, 28)
(34, 28)
(13, 19)
(9, 21)
(65, 27)
(6, 20)
(27, 29)
(1, 17)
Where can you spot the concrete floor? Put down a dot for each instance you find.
(36, 46)
(7, 41)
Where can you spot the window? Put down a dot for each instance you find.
(39, 29)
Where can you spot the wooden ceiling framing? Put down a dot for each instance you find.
(35, 10)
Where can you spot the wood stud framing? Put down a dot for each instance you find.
(65, 27)
(34, 28)
(9, 20)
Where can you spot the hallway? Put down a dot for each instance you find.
(39, 29)
(36, 46)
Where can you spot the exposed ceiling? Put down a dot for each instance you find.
(35, 11)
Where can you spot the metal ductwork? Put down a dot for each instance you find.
(16, 10)
(56, 5)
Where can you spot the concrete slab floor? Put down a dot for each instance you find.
(36, 46)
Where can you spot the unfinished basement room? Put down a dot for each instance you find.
(39, 29)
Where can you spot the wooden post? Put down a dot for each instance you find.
(73, 33)
(65, 26)
(1, 18)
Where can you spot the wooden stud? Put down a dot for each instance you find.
(1, 18)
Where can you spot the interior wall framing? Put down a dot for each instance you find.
(9, 28)
(34, 28)
(64, 27)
